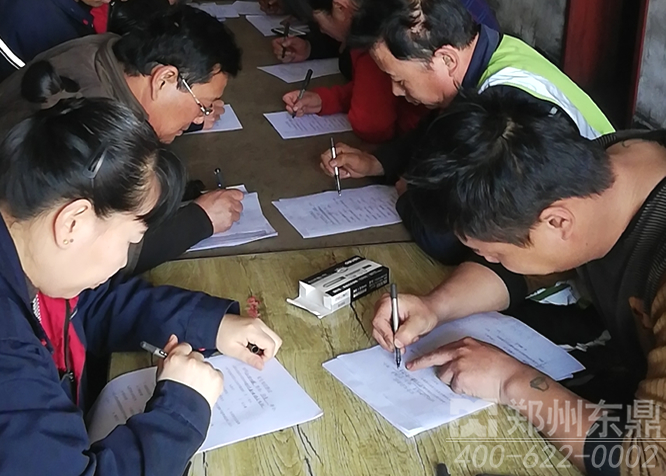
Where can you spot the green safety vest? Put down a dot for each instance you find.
(516, 64)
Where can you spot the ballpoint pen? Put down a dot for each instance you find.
(442, 470)
(218, 177)
(334, 156)
(156, 351)
(395, 321)
(306, 82)
(284, 37)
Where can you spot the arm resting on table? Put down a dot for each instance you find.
(121, 313)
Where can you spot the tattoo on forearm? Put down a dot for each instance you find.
(540, 383)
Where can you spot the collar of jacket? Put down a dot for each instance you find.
(112, 74)
(486, 45)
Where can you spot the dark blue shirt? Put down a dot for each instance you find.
(42, 429)
(29, 27)
(486, 44)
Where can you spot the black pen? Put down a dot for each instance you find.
(395, 321)
(218, 177)
(284, 37)
(254, 348)
(334, 155)
(306, 83)
(156, 351)
(442, 470)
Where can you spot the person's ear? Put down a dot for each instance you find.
(343, 7)
(447, 58)
(73, 223)
(558, 220)
(163, 79)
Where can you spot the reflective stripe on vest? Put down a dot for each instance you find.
(541, 88)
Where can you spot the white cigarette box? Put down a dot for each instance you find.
(340, 285)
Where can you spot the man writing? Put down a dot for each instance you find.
(519, 185)
(172, 73)
(431, 49)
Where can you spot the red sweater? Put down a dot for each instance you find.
(376, 115)
(100, 17)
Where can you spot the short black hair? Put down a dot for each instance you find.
(492, 162)
(325, 6)
(127, 15)
(412, 29)
(184, 37)
(94, 149)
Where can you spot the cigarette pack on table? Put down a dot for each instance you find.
(340, 285)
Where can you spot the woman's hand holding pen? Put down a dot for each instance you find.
(295, 49)
(310, 103)
(352, 163)
(236, 332)
(185, 366)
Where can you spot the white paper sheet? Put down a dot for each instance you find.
(307, 126)
(252, 226)
(265, 23)
(254, 402)
(295, 72)
(414, 402)
(227, 122)
(247, 8)
(218, 11)
(328, 213)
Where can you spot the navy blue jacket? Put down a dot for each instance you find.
(29, 27)
(42, 430)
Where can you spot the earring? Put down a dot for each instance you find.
(66, 242)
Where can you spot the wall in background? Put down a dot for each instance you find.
(651, 103)
(539, 22)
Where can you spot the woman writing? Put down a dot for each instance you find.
(78, 184)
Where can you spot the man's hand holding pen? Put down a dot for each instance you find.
(223, 207)
(351, 162)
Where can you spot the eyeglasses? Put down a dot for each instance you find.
(206, 111)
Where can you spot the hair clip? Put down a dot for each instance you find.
(96, 161)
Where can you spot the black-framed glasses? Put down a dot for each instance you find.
(206, 111)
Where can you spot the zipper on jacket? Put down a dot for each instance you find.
(69, 373)
(35, 309)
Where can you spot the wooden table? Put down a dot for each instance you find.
(350, 439)
(264, 162)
